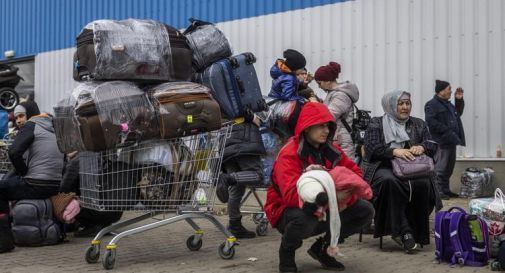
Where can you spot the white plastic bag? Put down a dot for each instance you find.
(494, 213)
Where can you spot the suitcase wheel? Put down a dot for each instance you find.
(249, 58)
(233, 62)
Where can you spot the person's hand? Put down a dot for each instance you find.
(403, 153)
(459, 93)
(313, 167)
(417, 150)
(256, 120)
(313, 99)
(71, 155)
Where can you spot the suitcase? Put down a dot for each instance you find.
(477, 182)
(118, 113)
(185, 108)
(66, 127)
(134, 50)
(234, 85)
(207, 42)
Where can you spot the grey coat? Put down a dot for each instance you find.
(340, 103)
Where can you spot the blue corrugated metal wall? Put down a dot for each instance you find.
(33, 26)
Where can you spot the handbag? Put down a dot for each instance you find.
(421, 166)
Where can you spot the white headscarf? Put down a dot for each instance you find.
(394, 127)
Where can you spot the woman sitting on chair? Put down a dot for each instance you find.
(402, 206)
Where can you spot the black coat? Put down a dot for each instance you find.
(245, 139)
(444, 122)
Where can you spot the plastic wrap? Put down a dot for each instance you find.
(66, 127)
(131, 49)
(209, 45)
(124, 112)
(277, 116)
(185, 108)
(273, 145)
(477, 182)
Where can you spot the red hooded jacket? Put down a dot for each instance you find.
(293, 158)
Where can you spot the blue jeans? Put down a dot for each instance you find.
(17, 188)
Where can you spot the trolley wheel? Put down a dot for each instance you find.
(109, 259)
(257, 217)
(228, 254)
(261, 229)
(191, 246)
(92, 254)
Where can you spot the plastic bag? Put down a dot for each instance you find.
(476, 182)
(494, 213)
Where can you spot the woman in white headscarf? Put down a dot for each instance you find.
(402, 206)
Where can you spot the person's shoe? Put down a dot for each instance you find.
(239, 231)
(6, 238)
(287, 260)
(451, 194)
(409, 244)
(318, 252)
(87, 231)
(444, 196)
(222, 188)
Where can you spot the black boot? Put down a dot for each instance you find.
(239, 231)
(287, 260)
(223, 182)
(6, 238)
(318, 252)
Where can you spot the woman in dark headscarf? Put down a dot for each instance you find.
(402, 206)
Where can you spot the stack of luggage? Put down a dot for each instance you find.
(135, 87)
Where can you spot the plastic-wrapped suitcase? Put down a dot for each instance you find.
(207, 42)
(112, 113)
(66, 127)
(477, 182)
(234, 85)
(133, 50)
(185, 108)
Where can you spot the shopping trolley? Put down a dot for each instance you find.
(162, 176)
(258, 215)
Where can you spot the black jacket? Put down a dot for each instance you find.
(245, 139)
(444, 122)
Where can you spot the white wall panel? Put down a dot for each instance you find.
(382, 45)
(53, 77)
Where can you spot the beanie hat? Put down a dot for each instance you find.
(328, 72)
(440, 85)
(309, 185)
(31, 108)
(294, 59)
(19, 109)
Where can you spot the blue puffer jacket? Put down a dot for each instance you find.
(284, 83)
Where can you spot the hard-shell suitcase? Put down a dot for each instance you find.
(185, 108)
(134, 50)
(117, 112)
(234, 85)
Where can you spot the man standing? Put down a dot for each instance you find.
(445, 126)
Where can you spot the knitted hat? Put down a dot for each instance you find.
(19, 109)
(31, 108)
(294, 59)
(440, 85)
(327, 72)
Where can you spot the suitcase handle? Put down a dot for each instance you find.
(240, 84)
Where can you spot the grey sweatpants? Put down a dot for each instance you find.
(247, 170)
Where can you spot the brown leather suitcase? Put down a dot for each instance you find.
(119, 103)
(185, 108)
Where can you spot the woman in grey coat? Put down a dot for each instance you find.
(340, 100)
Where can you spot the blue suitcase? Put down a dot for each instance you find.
(234, 85)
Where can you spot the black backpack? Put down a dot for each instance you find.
(34, 225)
(360, 121)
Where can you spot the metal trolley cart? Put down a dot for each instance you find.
(258, 215)
(163, 176)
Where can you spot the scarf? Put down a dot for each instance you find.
(314, 182)
(392, 126)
